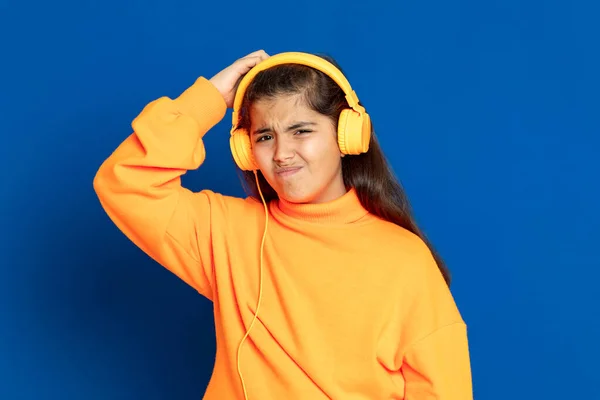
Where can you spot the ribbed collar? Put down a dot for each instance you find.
(343, 210)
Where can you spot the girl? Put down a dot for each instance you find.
(323, 286)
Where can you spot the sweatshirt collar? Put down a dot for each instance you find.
(343, 210)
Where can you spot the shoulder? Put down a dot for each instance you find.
(401, 241)
(421, 286)
(410, 259)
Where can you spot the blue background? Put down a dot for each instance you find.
(487, 110)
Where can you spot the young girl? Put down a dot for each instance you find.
(323, 286)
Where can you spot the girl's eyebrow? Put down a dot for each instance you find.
(292, 127)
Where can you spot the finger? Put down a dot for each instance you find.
(260, 53)
(245, 65)
(248, 63)
(263, 54)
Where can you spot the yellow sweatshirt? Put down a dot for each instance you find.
(353, 307)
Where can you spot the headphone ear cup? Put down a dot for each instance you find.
(354, 132)
(241, 150)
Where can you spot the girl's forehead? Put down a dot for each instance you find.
(278, 107)
(281, 99)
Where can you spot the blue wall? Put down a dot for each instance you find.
(488, 111)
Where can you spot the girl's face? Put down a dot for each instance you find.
(296, 150)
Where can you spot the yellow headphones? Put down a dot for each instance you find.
(354, 124)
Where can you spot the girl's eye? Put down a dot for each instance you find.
(263, 138)
(269, 137)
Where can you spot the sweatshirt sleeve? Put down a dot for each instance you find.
(434, 356)
(139, 184)
(437, 367)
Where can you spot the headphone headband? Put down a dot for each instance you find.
(307, 59)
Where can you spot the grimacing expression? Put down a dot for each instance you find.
(296, 150)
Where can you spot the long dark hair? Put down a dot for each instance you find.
(378, 190)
